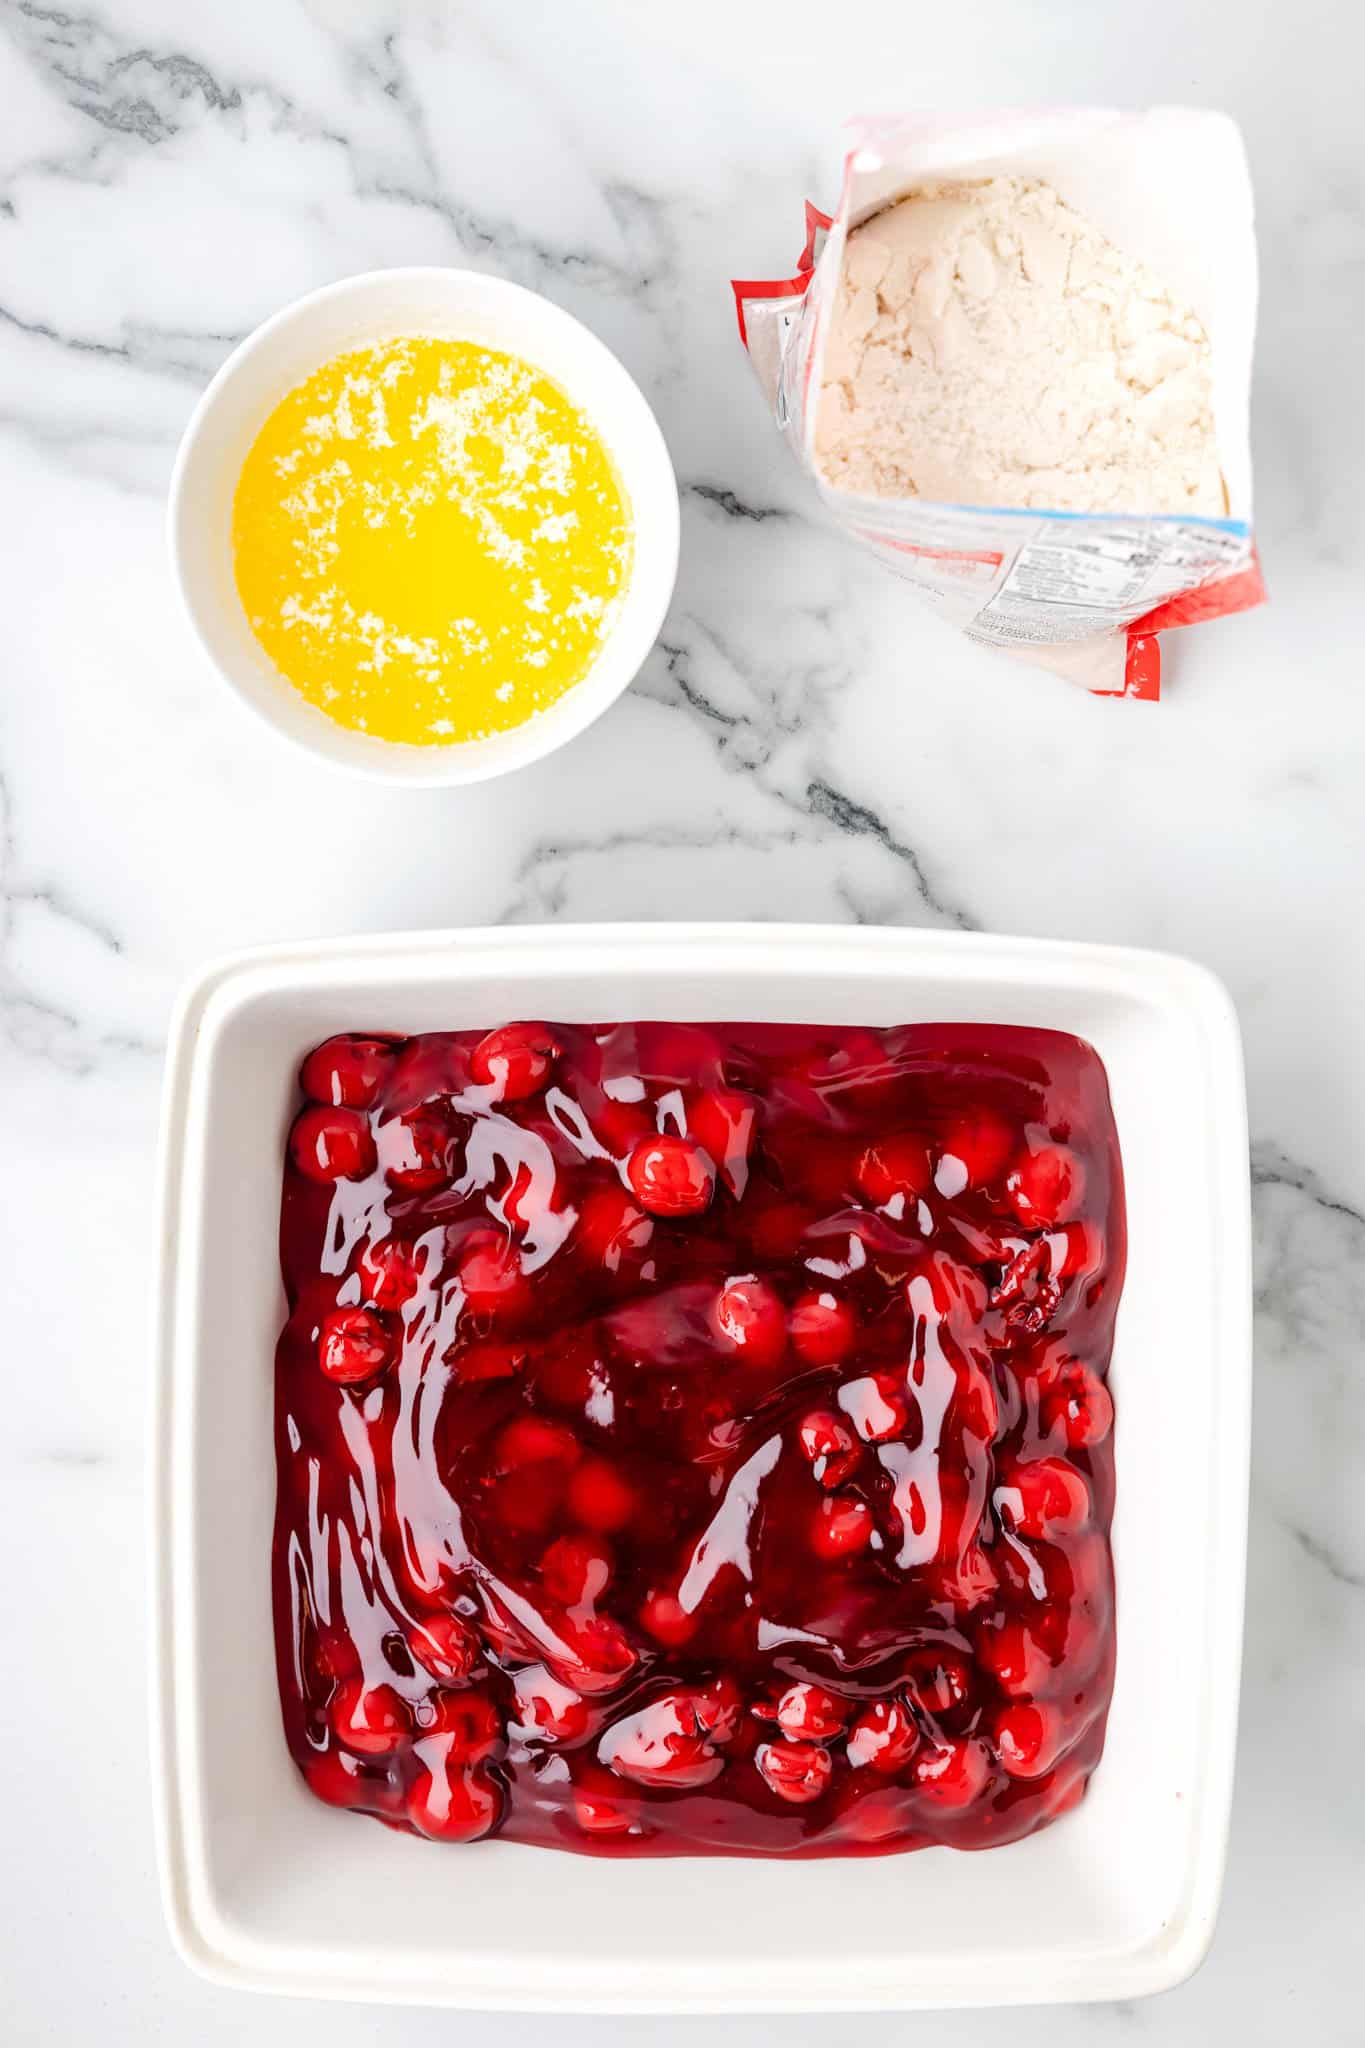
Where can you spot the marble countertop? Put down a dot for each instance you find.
(805, 743)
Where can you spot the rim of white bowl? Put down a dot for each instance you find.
(635, 442)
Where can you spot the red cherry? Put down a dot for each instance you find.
(535, 1440)
(884, 1737)
(750, 1321)
(593, 1656)
(1044, 1187)
(1029, 1736)
(671, 1176)
(417, 1151)
(516, 1059)
(722, 1120)
(600, 1808)
(939, 1682)
(354, 1345)
(347, 1071)
(1078, 1250)
(667, 1620)
(962, 1584)
(467, 1719)
(974, 1154)
(1042, 1498)
(550, 1710)
(822, 1328)
(450, 1802)
(611, 1229)
(1081, 1406)
(491, 1276)
(488, 1361)
(1014, 1657)
(663, 1745)
(878, 1405)
(391, 1271)
(829, 1445)
(328, 1145)
(445, 1646)
(372, 1720)
(599, 1497)
(796, 1771)
(898, 1165)
(808, 1711)
(334, 1777)
(719, 1708)
(952, 1774)
(576, 1570)
(842, 1526)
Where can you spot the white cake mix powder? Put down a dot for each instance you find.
(989, 346)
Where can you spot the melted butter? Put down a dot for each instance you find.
(430, 540)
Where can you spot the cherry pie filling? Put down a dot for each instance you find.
(696, 1438)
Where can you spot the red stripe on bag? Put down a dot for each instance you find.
(1211, 601)
(816, 223)
(782, 287)
(1142, 668)
(765, 288)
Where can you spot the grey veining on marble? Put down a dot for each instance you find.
(803, 743)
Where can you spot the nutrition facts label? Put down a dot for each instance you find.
(1019, 581)
(1070, 582)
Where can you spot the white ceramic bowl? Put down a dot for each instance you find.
(266, 1887)
(374, 307)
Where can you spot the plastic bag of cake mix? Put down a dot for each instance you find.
(1163, 255)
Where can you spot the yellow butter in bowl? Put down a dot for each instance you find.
(430, 540)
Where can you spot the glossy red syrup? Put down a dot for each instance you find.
(695, 1438)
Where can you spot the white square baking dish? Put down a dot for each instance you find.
(267, 1888)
